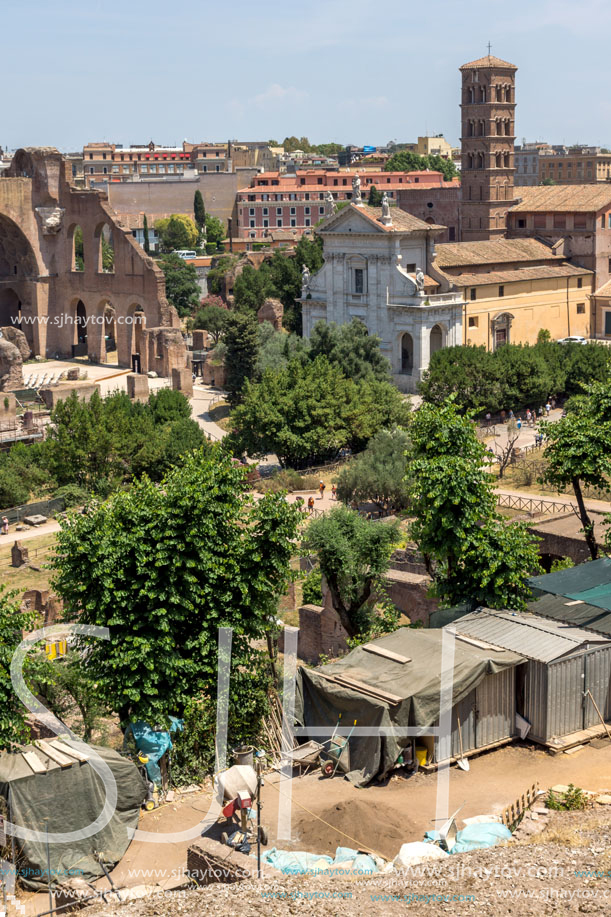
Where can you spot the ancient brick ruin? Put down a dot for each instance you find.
(110, 295)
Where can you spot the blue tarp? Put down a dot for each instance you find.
(474, 837)
(153, 743)
(296, 863)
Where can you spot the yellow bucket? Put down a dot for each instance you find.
(421, 754)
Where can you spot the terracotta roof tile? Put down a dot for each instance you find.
(488, 61)
(401, 220)
(497, 251)
(533, 272)
(564, 198)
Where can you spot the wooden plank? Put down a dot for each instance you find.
(363, 686)
(387, 654)
(34, 762)
(54, 754)
(68, 750)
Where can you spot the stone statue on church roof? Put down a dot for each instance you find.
(356, 191)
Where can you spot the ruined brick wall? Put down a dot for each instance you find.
(36, 198)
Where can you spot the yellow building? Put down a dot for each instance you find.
(431, 146)
(513, 288)
(576, 165)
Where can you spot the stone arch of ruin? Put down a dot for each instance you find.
(39, 213)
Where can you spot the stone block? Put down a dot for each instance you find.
(52, 396)
(137, 387)
(35, 519)
(213, 374)
(271, 311)
(320, 632)
(200, 339)
(19, 555)
(209, 862)
(182, 381)
(409, 593)
(11, 364)
(72, 374)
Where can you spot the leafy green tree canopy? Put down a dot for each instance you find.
(353, 553)
(378, 474)
(473, 554)
(405, 161)
(212, 319)
(307, 411)
(164, 567)
(215, 229)
(181, 286)
(177, 232)
(241, 339)
(350, 347)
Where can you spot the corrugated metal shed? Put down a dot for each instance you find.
(573, 611)
(529, 635)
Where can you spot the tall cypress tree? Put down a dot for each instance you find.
(199, 210)
(145, 230)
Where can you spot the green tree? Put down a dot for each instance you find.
(100, 445)
(145, 232)
(199, 211)
(350, 347)
(215, 229)
(212, 319)
(375, 197)
(378, 474)
(108, 256)
(251, 288)
(241, 339)
(469, 374)
(405, 161)
(79, 251)
(164, 567)
(307, 411)
(177, 232)
(578, 452)
(181, 286)
(277, 349)
(13, 622)
(354, 554)
(472, 553)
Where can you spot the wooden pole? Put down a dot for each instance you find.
(600, 716)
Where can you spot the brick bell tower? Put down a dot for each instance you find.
(487, 147)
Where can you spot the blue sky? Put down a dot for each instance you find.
(350, 71)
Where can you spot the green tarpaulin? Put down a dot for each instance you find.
(319, 700)
(63, 800)
(589, 582)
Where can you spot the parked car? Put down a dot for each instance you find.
(573, 339)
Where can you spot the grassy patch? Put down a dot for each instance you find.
(24, 578)
(219, 413)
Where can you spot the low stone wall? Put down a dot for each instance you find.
(409, 593)
(52, 396)
(209, 862)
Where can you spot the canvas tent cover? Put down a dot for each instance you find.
(68, 799)
(415, 684)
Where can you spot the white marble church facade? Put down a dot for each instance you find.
(378, 268)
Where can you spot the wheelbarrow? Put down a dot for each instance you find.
(315, 754)
(331, 757)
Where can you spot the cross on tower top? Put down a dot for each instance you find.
(489, 48)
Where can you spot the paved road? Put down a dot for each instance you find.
(203, 398)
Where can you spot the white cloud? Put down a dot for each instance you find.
(277, 94)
